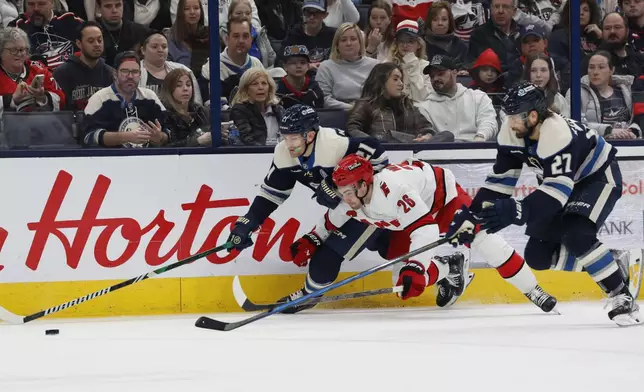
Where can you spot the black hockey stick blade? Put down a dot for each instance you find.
(208, 323)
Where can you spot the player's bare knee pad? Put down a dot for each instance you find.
(324, 268)
(538, 254)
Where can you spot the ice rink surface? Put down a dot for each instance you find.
(466, 348)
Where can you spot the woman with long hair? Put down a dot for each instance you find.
(591, 34)
(379, 31)
(255, 108)
(408, 51)
(539, 70)
(606, 100)
(188, 121)
(385, 112)
(342, 76)
(155, 65)
(439, 33)
(188, 43)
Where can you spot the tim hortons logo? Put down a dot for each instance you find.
(130, 230)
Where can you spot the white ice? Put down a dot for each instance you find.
(466, 348)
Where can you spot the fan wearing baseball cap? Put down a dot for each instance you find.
(297, 87)
(408, 51)
(452, 107)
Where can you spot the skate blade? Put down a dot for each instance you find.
(628, 320)
(470, 277)
(555, 311)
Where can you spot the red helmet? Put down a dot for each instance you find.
(351, 169)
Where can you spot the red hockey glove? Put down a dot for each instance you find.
(302, 250)
(413, 279)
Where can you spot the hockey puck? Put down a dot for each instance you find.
(52, 332)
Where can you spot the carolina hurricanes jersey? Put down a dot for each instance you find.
(406, 197)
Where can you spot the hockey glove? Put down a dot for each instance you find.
(240, 234)
(303, 249)
(501, 214)
(413, 279)
(325, 194)
(463, 227)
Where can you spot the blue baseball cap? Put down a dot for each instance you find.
(533, 29)
(319, 5)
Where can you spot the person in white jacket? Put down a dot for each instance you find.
(8, 12)
(408, 51)
(340, 11)
(452, 107)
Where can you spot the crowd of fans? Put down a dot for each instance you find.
(136, 73)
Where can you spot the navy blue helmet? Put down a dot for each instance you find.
(299, 119)
(524, 98)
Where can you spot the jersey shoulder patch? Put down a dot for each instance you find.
(507, 138)
(555, 136)
(330, 146)
(282, 158)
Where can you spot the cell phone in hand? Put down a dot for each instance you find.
(37, 81)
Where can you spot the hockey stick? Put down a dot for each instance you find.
(208, 323)
(16, 319)
(249, 306)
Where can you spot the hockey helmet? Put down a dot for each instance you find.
(524, 98)
(352, 169)
(299, 119)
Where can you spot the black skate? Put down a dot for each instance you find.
(292, 297)
(625, 311)
(543, 300)
(452, 287)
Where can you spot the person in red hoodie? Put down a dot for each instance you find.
(487, 76)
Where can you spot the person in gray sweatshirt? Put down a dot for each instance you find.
(342, 76)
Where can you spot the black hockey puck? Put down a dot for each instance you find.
(52, 332)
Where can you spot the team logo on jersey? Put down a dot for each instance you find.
(130, 124)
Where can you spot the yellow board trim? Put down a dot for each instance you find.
(214, 294)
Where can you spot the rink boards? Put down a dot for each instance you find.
(70, 226)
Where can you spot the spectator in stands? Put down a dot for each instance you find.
(615, 39)
(25, 85)
(637, 92)
(468, 114)
(155, 65)
(339, 12)
(277, 16)
(125, 114)
(120, 34)
(634, 11)
(534, 40)
(343, 75)
(188, 121)
(224, 9)
(82, 76)
(234, 60)
(487, 76)
(52, 34)
(539, 70)
(439, 33)
(313, 33)
(8, 12)
(379, 31)
(385, 112)
(590, 32)
(261, 45)
(410, 9)
(297, 87)
(408, 51)
(468, 15)
(606, 103)
(499, 34)
(154, 14)
(542, 13)
(255, 109)
(188, 43)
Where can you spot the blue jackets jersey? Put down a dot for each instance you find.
(567, 152)
(331, 145)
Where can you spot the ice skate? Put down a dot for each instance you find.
(624, 310)
(543, 300)
(452, 287)
(292, 297)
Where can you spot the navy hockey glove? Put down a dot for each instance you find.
(325, 195)
(462, 230)
(303, 249)
(240, 234)
(501, 214)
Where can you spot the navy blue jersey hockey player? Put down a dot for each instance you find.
(579, 184)
(308, 154)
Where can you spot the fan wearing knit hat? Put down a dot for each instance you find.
(408, 51)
